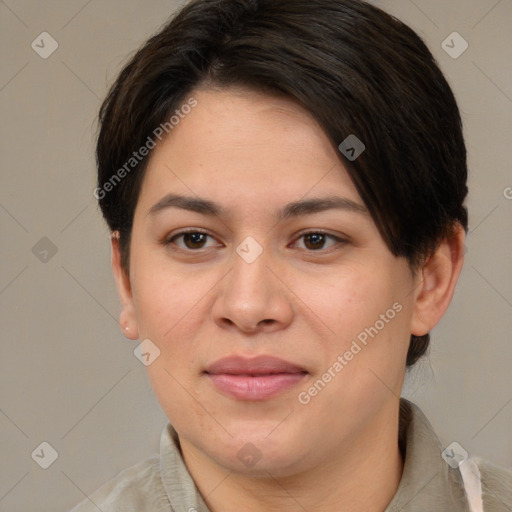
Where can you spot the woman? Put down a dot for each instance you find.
(285, 182)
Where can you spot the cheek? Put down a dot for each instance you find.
(169, 308)
(165, 295)
(173, 309)
(368, 311)
(348, 299)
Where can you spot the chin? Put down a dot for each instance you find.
(260, 454)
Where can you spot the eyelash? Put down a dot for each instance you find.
(170, 241)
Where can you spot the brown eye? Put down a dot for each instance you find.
(191, 240)
(316, 240)
(194, 240)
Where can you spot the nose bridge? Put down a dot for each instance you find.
(250, 277)
(251, 295)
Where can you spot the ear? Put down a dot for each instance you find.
(127, 318)
(436, 282)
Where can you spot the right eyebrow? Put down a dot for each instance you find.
(193, 204)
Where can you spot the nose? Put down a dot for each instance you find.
(252, 298)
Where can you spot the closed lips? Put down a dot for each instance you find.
(258, 366)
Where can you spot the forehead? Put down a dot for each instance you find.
(240, 147)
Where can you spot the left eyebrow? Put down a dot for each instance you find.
(315, 205)
(295, 209)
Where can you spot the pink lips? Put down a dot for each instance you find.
(256, 378)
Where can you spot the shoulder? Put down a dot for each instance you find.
(496, 485)
(138, 487)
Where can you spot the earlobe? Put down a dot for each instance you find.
(437, 280)
(127, 318)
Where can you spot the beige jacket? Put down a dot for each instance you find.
(433, 480)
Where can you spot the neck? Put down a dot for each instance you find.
(361, 477)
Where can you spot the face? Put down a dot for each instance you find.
(306, 302)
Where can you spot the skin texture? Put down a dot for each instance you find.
(253, 154)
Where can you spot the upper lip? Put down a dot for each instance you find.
(260, 365)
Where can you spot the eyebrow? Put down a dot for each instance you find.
(295, 209)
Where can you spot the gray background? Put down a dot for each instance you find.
(67, 375)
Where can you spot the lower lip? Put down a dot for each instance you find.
(245, 387)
